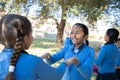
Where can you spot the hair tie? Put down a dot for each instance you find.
(11, 68)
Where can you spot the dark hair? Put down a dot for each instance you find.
(113, 35)
(85, 30)
(14, 28)
(87, 42)
(118, 39)
(84, 27)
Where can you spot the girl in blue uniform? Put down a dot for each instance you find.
(78, 57)
(107, 56)
(118, 60)
(15, 63)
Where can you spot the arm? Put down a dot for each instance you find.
(100, 57)
(85, 68)
(46, 72)
(57, 56)
(68, 41)
(118, 62)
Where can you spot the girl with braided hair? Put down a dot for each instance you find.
(15, 63)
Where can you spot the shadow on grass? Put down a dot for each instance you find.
(44, 43)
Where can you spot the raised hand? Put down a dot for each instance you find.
(67, 33)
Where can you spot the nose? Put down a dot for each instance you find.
(73, 35)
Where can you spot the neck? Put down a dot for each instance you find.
(78, 45)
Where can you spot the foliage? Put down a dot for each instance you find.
(89, 8)
(2, 6)
(60, 10)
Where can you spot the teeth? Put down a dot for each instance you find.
(74, 39)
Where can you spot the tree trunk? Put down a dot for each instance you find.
(61, 26)
(60, 33)
(2, 13)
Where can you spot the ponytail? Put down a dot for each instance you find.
(87, 42)
(15, 56)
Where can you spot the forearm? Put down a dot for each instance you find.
(48, 60)
(85, 67)
(85, 71)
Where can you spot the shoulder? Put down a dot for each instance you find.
(109, 46)
(29, 58)
(28, 62)
(70, 46)
(89, 48)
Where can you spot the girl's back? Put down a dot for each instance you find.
(28, 67)
(108, 53)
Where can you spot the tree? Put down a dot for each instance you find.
(92, 9)
(89, 8)
(62, 9)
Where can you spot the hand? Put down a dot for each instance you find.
(96, 54)
(71, 61)
(67, 33)
(46, 55)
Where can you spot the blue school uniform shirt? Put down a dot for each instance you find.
(106, 58)
(67, 41)
(118, 59)
(85, 55)
(28, 67)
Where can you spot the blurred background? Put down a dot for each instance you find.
(51, 18)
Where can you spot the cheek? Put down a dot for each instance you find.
(118, 44)
(105, 38)
(80, 36)
(31, 39)
(28, 41)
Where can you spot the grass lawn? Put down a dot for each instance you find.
(41, 46)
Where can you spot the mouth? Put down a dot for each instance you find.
(74, 40)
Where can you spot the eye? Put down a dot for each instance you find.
(71, 33)
(77, 32)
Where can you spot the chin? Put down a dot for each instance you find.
(74, 43)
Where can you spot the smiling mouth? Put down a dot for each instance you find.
(74, 40)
